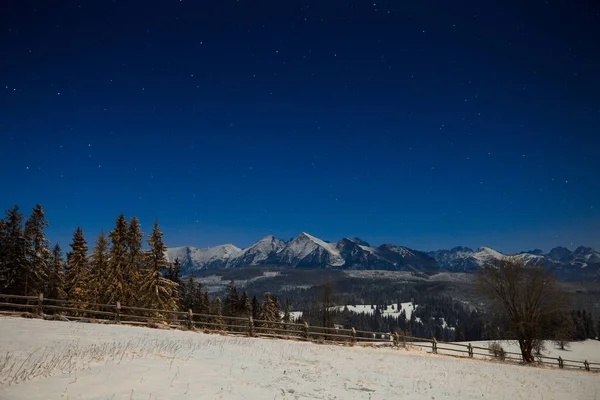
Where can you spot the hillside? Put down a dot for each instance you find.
(118, 362)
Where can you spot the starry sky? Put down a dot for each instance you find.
(428, 124)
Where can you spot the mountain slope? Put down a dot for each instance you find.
(259, 253)
(192, 258)
(307, 251)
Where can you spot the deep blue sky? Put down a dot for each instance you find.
(428, 124)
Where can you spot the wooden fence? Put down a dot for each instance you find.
(246, 326)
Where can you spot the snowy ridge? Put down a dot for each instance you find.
(192, 258)
(258, 253)
(308, 251)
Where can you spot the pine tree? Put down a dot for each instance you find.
(4, 249)
(157, 292)
(245, 306)
(268, 312)
(133, 271)
(255, 308)
(173, 274)
(117, 287)
(100, 269)
(56, 277)
(286, 315)
(218, 316)
(38, 253)
(190, 294)
(15, 268)
(199, 300)
(78, 274)
(232, 300)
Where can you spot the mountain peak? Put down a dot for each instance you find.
(359, 241)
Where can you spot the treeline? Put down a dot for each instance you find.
(117, 269)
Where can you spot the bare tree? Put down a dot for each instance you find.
(525, 298)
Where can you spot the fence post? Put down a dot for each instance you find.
(118, 313)
(434, 345)
(470, 348)
(250, 326)
(560, 362)
(305, 329)
(39, 305)
(353, 335)
(586, 365)
(190, 319)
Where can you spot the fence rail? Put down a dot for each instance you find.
(37, 305)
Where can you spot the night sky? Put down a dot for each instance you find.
(428, 124)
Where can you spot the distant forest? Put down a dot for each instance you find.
(117, 269)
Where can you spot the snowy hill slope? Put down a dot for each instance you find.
(154, 364)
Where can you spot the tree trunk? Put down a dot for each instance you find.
(526, 351)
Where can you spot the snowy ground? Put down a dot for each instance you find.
(69, 360)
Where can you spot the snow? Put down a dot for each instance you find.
(258, 252)
(201, 257)
(388, 311)
(119, 363)
(305, 244)
(578, 351)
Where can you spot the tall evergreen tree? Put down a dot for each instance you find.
(173, 274)
(133, 271)
(286, 315)
(206, 303)
(15, 268)
(157, 292)
(268, 311)
(117, 287)
(245, 308)
(100, 269)
(56, 277)
(199, 307)
(38, 253)
(190, 294)
(77, 279)
(4, 249)
(232, 300)
(218, 316)
(255, 307)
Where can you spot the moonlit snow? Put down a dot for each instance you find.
(119, 362)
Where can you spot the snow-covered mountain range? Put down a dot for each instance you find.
(307, 251)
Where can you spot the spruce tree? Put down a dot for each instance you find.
(268, 312)
(157, 292)
(286, 315)
(4, 249)
(206, 304)
(77, 279)
(173, 274)
(15, 269)
(190, 295)
(199, 300)
(133, 271)
(100, 269)
(117, 287)
(56, 277)
(218, 316)
(232, 300)
(255, 308)
(38, 253)
(245, 307)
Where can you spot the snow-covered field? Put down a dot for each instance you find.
(69, 360)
